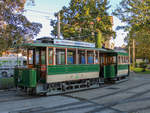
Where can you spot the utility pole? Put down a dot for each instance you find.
(58, 26)
(133, 52)
(129, 54)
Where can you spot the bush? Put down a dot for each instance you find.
(143, 65)
(6, 83)
(138, 69)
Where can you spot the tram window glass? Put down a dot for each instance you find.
(50, 55)
(114, 59)
(60, 56)
(119, 60)
(31, 56)
(82, 57)
(71, 57)
(96, 58)
(127, 59)
(43, 57)
(37, 55)
(123, 59)
(102, 59)
(90, 57)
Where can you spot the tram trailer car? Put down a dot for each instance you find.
(59, 66)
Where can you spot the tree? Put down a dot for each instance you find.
(83, 18)
(135, 13)
(14, 26)
(99, 39)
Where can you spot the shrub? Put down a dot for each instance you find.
(6, 83)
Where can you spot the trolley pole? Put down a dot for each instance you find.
(58, 26)
(133, 52)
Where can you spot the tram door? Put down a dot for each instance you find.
(40, 62)
(107, 65)
(101, 73)
(37, 59)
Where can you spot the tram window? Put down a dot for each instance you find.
(82, 57)
(50, 55)
(37, 57)
(31, 56)
(126, 59)
(60, 56)
(102, 59)
(90, 57)
(43, 57)
(119, 59)
(96, 58)
(114, 59)
(123, 59)
(71, 57)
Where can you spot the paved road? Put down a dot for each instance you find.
(132, 96)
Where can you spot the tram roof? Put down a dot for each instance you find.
(64, 46)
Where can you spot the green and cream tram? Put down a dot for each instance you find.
(57, 66)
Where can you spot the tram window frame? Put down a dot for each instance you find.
(74, 55)
(41, 55)
(33, 56)
(89, 51)
(58, 48)
(127, 59)
(39, 60)
(96, 57)
(50, 56)
(119, 59)
(79, 60)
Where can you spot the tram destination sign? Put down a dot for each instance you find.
(73, 43)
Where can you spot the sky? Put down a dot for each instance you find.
(44, 10)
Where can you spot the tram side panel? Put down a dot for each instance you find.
(62, 73)
(122, 70)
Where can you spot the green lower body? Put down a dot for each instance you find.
(30, 78)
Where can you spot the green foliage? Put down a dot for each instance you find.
(143, 65)
(83, 18)
(99, 39)
(135, 13)
(14, 26)
(6, 83)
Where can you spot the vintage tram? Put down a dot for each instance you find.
(56, 66)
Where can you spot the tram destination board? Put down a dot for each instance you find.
(73, 43)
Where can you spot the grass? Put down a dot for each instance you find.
(6, 83)
(139, 70)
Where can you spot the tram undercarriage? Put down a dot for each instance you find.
(64, 87)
